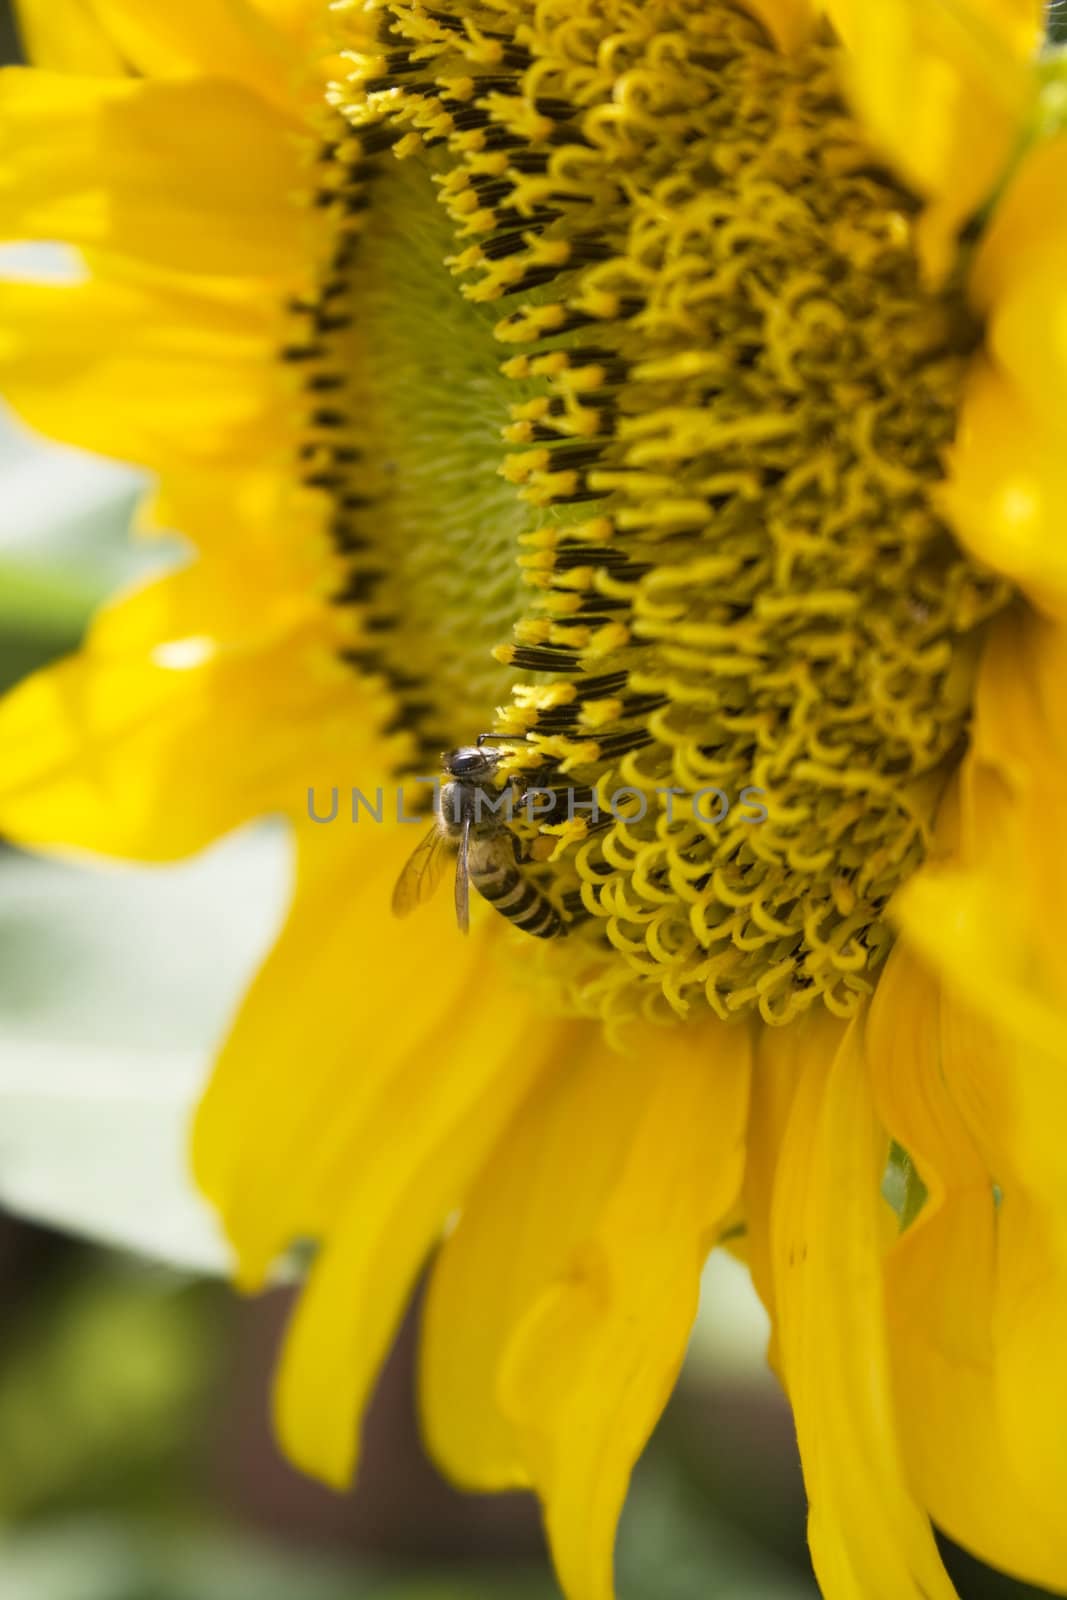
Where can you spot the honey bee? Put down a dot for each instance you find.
(484, 847)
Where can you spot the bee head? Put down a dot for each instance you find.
(469, 762)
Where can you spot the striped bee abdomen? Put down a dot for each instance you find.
(499, 881)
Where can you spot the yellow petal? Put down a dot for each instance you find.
(519, 1228)
(293, 16)
(134, 166)
(68, 36)
(987, 918)
(945, 87)
(155, 739)
(1015, 1100)
(942, 1284)
(147, 371)
(781, 1057)
(594, 1359)
(988, 915)
(406, 1166)
(870, 1539)
(1002, 960)
(1015, 785)
(238, 39)
(1007, 493)
(352, 995)
(1018, 277)
(789, 22)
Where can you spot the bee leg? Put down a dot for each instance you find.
(536, 787)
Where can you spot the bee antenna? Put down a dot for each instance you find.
(500, 738)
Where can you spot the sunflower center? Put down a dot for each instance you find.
(747, 632)
(407, 403)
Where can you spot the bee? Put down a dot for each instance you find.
(485, 850)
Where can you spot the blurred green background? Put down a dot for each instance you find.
(136, 1461)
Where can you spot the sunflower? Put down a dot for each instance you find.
(673, 390)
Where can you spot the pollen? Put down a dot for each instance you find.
(679, 398)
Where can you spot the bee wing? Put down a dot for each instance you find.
(422, 873)
(463, 881)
